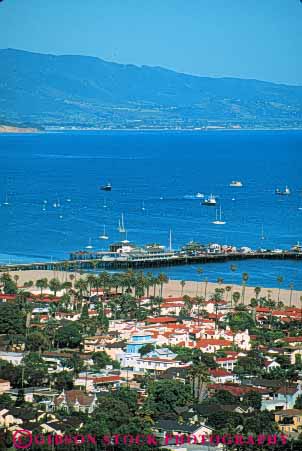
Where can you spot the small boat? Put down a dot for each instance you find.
(104, 204)
(219, 221)
(6, 202)
(210, 201)
(104, 236)
(285, 192)
(199, 195)
(143, 206)
(236, 184)
(262, 237)
(106, 187)
(89, 246)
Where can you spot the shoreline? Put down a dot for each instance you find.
(19, 130)
(173, 287)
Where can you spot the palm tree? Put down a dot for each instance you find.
(236, 297)
(54, 285)
(233, 268)
(257, 291)
(219, 280)
(42, 284)
(182, 283)
(205, 288)
(199, 272)
(280, 281)
(199, 378)
(162, 278)
(91, 282)
(291, 287)
(245, 278)
(28, 284)
(200, 301)
(81, 289)
(228, 289)
(254, 304)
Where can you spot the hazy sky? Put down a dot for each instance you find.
(243, 38)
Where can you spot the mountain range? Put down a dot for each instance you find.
(47, 90)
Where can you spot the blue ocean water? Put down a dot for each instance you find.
(162, 172)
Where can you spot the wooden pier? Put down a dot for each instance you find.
(177, 259)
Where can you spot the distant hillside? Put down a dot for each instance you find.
(38, 89)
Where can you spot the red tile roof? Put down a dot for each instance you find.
(214, 342)
(162, 319)
(220, 372)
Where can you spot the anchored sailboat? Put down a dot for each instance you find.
(219, 220)
(121, 225)
(104, 236)
(89, 246)
(6, 202)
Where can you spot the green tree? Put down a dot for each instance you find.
(199, 378)
(102, 359)
(35, 370)
(36, 341)
(54, 285)
(8, 285)
(245, 278)
(146, 349)
(280, 282)
(165, 396)
(182, 284)
(12, 320)
(252, 399)
(68, 335)
(42, 284)
(298, 403)
(64, 381)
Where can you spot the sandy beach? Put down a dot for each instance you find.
(173, 288)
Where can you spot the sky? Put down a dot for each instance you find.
(260, 39)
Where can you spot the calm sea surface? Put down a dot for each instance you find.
(155, 176)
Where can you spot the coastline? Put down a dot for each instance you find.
(173, 287)
(4, 129)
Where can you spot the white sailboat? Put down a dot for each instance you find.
(126, 241)
(89, 246)
(6, 202)
(219, 220)
(121, 225)
(262, 233)
(104, 236)
(104, 205)
(143, 206)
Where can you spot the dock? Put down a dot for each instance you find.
(105, 261)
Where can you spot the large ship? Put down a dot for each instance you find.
(210, 201)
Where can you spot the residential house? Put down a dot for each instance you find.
(4, 386)
(75, 400)
(289, 420)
